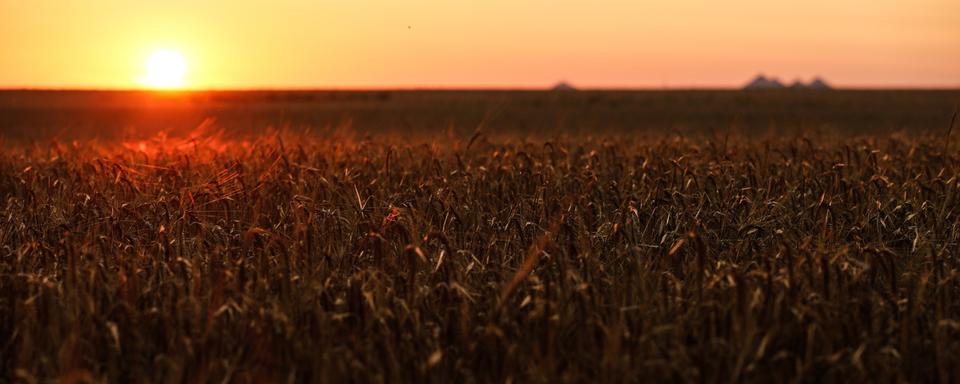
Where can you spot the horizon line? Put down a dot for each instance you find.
(461, 88)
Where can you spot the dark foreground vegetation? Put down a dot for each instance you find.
(582, 237)
(615, 259)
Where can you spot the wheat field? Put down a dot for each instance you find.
(333, 256)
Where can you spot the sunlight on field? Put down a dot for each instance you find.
(206, 137)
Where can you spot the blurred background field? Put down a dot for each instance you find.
(131, 114)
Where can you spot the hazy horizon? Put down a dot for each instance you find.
(465, 88)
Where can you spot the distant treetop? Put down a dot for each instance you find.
(763, 82)
(818, 83)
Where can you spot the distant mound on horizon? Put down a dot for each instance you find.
(563, 86)
(763, 82)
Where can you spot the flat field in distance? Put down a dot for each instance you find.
(100, 114)
(448, 236)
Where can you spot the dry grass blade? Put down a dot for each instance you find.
(953, 121)
(530, 260)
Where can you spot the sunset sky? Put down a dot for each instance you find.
(492, 43)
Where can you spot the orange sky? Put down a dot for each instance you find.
(491, 43)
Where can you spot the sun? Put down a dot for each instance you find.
(166, 69)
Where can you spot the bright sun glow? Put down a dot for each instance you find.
(165, 69)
